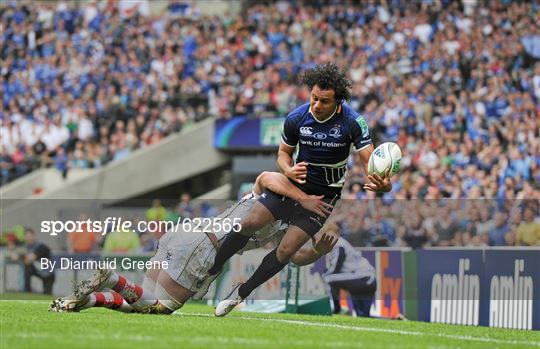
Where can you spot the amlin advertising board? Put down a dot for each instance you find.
(491, 287)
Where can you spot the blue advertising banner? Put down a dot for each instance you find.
(512, 289)
(242, 133)
(449, 286)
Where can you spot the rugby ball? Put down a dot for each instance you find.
(385, 156)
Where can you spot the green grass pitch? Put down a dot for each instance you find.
(27, 324)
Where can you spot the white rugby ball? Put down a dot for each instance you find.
(385, 156)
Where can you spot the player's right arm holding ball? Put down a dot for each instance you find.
(377, 182)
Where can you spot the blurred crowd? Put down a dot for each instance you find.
(85, 83)
(443, 222)
(455, 83)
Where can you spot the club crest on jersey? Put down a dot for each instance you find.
(306, 131)
(335, 132)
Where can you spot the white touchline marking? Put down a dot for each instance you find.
(374, 329)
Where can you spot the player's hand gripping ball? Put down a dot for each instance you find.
(385, 157)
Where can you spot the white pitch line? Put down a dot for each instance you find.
(374, 329)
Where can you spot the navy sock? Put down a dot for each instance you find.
(269, 267)
(233, 243)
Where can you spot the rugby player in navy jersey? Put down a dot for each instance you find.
(322, 131)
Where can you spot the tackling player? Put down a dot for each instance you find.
(190, 255)
(322, 131)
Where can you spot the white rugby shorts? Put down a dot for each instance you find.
(189, 256)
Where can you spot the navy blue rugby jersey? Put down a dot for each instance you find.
(325, 146)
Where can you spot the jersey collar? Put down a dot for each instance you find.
(337, 110)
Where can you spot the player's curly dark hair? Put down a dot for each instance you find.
(329, 76)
